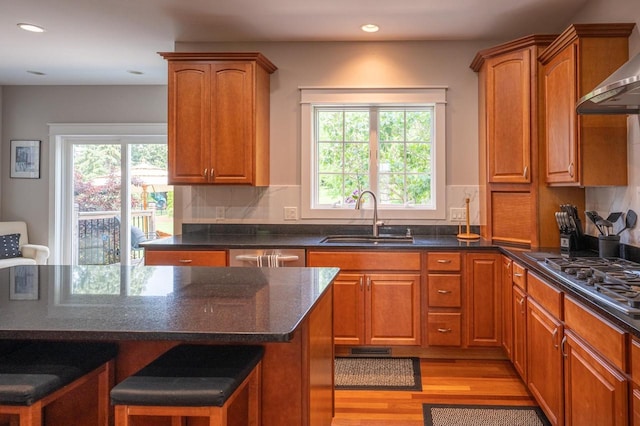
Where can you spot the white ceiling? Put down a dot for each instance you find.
(97, 41)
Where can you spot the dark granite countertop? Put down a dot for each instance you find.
(158, 302)
(246, 236)
(528, 259)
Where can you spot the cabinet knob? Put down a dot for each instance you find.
(444, 330)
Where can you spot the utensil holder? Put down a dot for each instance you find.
(609, 245)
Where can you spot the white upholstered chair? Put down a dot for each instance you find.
(31, 254)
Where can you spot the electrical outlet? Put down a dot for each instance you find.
(219, 213)
(458, 214)
(290, 213)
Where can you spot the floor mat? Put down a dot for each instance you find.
(482, 415)
(377, 373)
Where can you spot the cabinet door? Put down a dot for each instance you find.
(560, 118)
(507, 308)
(348, 309)
(595, 391)
(185, 257)
(189, 122)
(544, 370)
(509, 117)
(483, 299)
(232, 122)
(520, 332)
(393, 306)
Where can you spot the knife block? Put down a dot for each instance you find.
(569, 244)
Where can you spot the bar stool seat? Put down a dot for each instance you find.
(193, 381)
(38, 373)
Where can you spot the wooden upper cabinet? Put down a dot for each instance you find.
(218, 119)
(578, 145)
(509, 117)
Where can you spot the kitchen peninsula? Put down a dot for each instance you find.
(147, 310)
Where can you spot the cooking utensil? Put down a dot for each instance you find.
(606, 225)
(594, 217)
(613, 217)
(629, 221)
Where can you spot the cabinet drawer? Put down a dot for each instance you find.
(366, 261)
(603, 336)
(520, 276)
(185, 258)
(444, 329)
(548, 297)
(444, 290)
(444, 261)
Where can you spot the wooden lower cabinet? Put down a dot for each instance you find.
(545, 361)
(506, 283)
(185, 257)
(519, 307)
(374, 308)
(596, 393)
(483, 299)
(635, 377)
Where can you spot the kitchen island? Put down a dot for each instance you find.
(148, 310)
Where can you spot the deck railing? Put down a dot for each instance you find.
(97, 235)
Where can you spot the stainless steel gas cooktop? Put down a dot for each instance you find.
(614, 282)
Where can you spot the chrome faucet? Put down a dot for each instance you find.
(376, 223)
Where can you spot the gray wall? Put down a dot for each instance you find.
(26, 112)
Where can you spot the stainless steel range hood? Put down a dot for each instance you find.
(618, 94)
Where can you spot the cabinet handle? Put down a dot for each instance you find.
(553, 337)
(206, 174)
(570, 169)
(564, 340)
(521, 303)
(185, 260)
(517, 275)
(368, 283)
(444, 260)
(444, 291)
(444, 330)
(361, 285)
(526, 171)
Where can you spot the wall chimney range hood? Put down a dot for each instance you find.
(618, 94)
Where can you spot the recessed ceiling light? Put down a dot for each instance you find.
(370, 28)
(31, 27)
(36, 72)
(134, 72)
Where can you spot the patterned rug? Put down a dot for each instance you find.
(378, 373)
(482, 415)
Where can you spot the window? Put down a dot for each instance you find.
(389, 141)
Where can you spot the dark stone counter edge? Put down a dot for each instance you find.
(70, 335)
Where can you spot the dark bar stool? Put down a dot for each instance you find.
(36, 374)
(194, 381)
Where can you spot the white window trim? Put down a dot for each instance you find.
(405, 96)
(61, 135)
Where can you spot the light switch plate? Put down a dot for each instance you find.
(458, 214)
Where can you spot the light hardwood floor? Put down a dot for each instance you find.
(443, 381)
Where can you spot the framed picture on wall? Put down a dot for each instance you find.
(25, 159)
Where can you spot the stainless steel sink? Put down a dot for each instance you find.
(370, 239)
